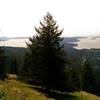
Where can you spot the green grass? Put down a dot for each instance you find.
(15, 90)
(85, 96)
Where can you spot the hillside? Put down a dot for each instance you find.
(15, 90)
(18, 53)
(73, 55)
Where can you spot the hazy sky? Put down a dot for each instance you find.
(77, 17)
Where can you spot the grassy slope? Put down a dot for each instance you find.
(85, 96)
(15, 90)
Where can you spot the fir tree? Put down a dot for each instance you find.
(47, 55)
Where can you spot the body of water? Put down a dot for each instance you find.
(82, 43)
(88, 43)
(14, 43)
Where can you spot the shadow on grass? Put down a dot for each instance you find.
(57, 95)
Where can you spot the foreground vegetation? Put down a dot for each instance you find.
(15, 90)
(85, 96)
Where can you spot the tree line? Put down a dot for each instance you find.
(46, 65)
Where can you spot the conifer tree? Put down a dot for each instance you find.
(2, 63)
(47, 54)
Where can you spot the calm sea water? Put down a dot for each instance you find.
(83, 43)
(88, 43)
(14, 42)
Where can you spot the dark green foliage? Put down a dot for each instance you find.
(13, 66)
(19, 54)
(87, 76)
(27, 70)
(47, 55)
(2, 63)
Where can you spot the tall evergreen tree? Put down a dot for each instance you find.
(2, 63)
(47, 54)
